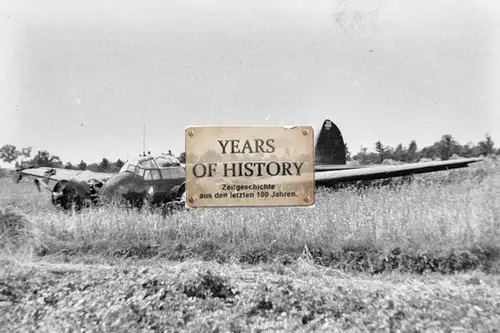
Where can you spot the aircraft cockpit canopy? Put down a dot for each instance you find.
(152, 168)
(167, 161)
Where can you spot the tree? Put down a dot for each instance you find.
(94, 167)
(119, 163)
(26, 152)
(486, 146)
(44, 158)
(399, 153)
(361, 157)
(467, 150)
(380, 150)
(347, 152)
(429, 152)
(411, 154)
(9, 153)
(182, 157)
(82, 165)
(68, 166)
(104, 165)
(447, 146)
(116, 166)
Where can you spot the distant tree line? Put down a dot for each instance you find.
(23, 158)
(444, 149)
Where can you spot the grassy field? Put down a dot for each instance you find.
(371, 260)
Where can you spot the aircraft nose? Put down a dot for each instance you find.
(123, 185)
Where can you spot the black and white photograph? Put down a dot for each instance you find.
(250, 166)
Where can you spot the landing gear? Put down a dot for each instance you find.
(134, 200)
(94, 188)
(178, 201)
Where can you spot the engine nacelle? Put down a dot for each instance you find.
(177, 191)
(76, 193)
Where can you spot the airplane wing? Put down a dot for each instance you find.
(54, 175)
(332, 167)
(330, 178)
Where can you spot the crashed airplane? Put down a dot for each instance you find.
(160, 180)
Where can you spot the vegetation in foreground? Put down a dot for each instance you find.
(208, 297)
(444, 222)
(310, 263)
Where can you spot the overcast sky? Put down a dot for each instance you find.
(80, 78)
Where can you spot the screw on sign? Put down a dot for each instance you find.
(250, 166)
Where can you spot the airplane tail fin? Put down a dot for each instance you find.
(330, 148)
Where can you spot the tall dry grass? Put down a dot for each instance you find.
(438, 213)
